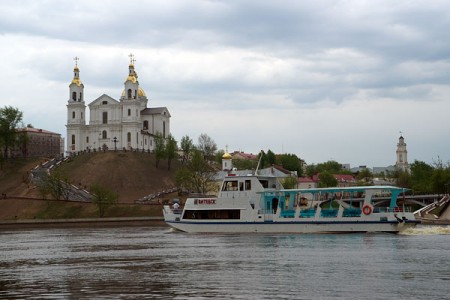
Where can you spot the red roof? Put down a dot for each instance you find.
(339, 177)
(35, 130)
(304, 179)
(244, 155)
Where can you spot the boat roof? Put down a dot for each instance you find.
(347, 189)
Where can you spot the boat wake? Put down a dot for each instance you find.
(427, 230)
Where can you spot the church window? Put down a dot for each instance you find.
(145, 125)
(104, 134)
(73, 139)
(105, 117)
(145, 141)
(135, 94)
(129, 93)
(73, 115)
(137, 138)
(129, 112)
(87, 139)
(81, 97)
(74, 96)
(105, 102)
(81, 115)
(129, 137)
(164, 129)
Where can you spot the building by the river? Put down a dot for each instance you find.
(126, 123)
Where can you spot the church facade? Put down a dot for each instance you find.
(126, 123)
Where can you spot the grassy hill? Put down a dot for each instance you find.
(132, 175)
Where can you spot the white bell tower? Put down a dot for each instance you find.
(402, 155)
(227, 161)
(76, 112)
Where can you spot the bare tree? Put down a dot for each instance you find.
(207, 146)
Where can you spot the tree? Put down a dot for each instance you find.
(330, 166)
(403, 179)
(365, 175)
(310, 170)
(171, 150)
(187, 146)
(159, 148)
(326, 179)
(197, 175)
(219, 156)
(103, 198)
(56, 184)
(10, 118)
(421, 175)
(290, 182)
(441, 177)
(291, 162)
(207, 146)
(271, 158)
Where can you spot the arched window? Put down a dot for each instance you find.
(73, 139)
(104, 134)
(81, 97)
(105, 117)
(129, 93)
(145, 127)
(135, 94)
(164, 129)
(129, 112)
(74, 96)
(73, 115)
(82, 116)
(129, 137)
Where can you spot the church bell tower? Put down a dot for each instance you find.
(76, 112)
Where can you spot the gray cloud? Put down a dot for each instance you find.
(329, 64)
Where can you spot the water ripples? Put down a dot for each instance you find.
(143, 262)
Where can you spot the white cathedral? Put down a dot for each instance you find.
(114, 124)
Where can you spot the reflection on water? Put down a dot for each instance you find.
(145, 262)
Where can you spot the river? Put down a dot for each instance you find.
(155, 262)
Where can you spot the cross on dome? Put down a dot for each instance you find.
(132, 60)
(76, 59)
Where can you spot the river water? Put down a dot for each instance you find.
(155, 262)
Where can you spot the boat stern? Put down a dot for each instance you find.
(171, 215)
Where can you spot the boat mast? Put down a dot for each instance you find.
(259, 161)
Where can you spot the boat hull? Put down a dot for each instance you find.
(291, 227)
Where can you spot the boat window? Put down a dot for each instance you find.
(264, 183)
(223, 214)
(248, 185)
(230, 185)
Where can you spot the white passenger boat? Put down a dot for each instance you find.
(256, 203)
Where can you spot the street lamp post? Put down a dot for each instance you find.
(115, 143)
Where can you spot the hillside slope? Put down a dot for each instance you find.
(132, 175)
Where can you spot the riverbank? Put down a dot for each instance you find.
(85, 222)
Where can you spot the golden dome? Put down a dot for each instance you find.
(226, 156)
(131, 78)
(141, 93)
(77, 81)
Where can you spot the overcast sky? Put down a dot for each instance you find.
(321, 79)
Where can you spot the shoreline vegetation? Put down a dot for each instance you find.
(21, 205)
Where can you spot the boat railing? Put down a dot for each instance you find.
(396, 209)
(308, 213)
(351, 212)
(329, 212)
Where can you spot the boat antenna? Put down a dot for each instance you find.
(259, 162)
